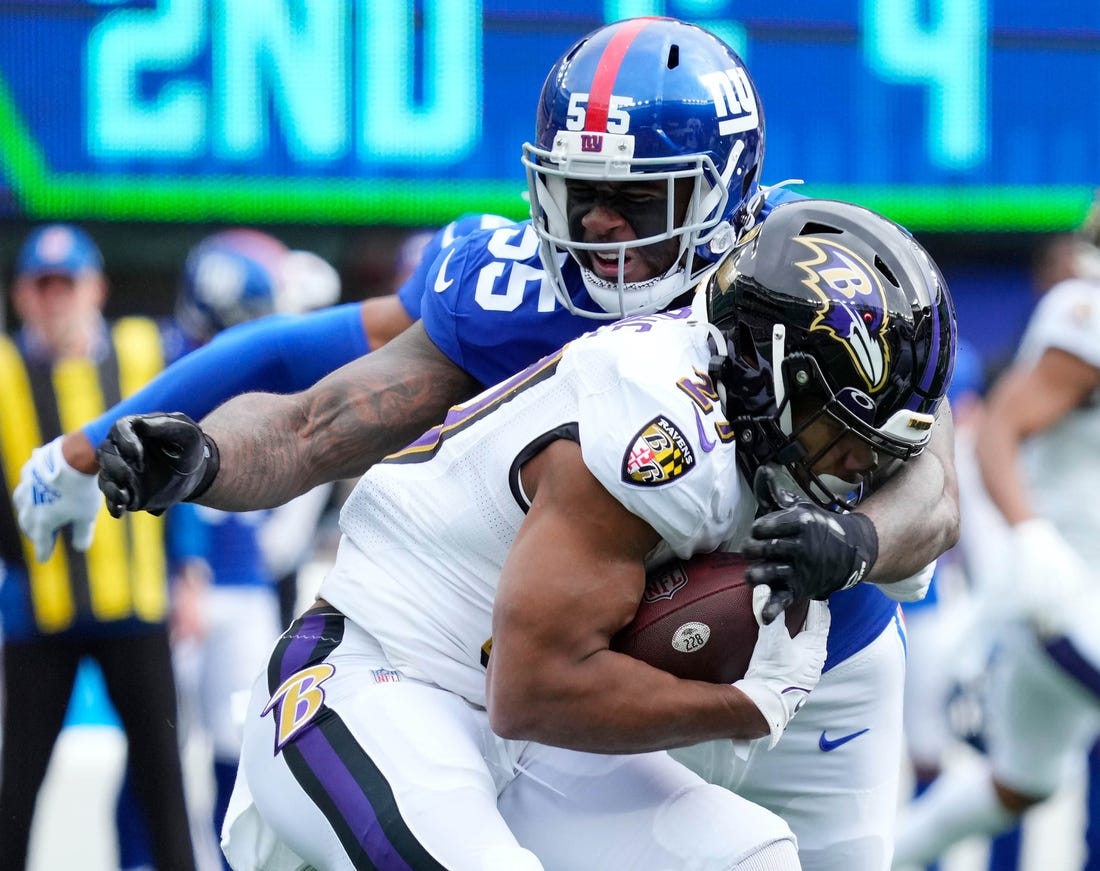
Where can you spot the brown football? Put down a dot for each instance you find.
(695, 619)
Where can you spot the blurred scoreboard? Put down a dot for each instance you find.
(945, 114)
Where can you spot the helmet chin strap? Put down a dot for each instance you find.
(830, 489)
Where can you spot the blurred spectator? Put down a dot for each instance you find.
(107, 602)
(1058, 257)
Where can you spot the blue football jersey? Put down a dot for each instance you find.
(485, 303)
(411, 291)
(228, 542)
(487, 307)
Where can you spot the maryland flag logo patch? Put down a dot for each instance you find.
(659, 454)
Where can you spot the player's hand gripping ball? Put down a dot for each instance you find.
(695, 619)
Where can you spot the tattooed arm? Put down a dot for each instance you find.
(273, 447)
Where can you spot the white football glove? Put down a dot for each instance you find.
(1050, 575)
(783, 670)
(52, 494)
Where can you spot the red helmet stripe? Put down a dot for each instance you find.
(599, 100)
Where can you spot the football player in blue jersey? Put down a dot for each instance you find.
(643, 170)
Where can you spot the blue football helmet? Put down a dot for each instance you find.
(646, 99)
(229, 278)
(833, 308)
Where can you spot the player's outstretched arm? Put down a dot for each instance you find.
(916, 510)
(57, 485)
(573, 577)
(269, 448)
(282, 353)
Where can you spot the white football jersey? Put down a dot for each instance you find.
(1063, 463)
(427, 530)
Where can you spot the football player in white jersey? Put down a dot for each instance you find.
(1039, 452)
(452, 702)
(643, 169)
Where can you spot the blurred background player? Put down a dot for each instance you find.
(225, 606)
(947, 634)
(107, 601)
(950, 645)
(1039, 452)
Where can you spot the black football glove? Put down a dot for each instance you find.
(801, 550)
(152, 461)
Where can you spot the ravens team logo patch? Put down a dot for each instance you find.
(658, 454)
(297, 701)
(853, 306)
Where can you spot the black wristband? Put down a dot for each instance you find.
(211, 465)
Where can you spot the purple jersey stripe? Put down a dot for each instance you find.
(331, 766)
(1063, 652)
(349, 799)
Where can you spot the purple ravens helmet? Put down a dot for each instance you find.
(833, 306)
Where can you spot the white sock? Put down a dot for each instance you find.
(776, 856)
(960, 803)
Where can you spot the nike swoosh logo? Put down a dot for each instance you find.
(828, 745)
(442, 282)
(705, 443)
